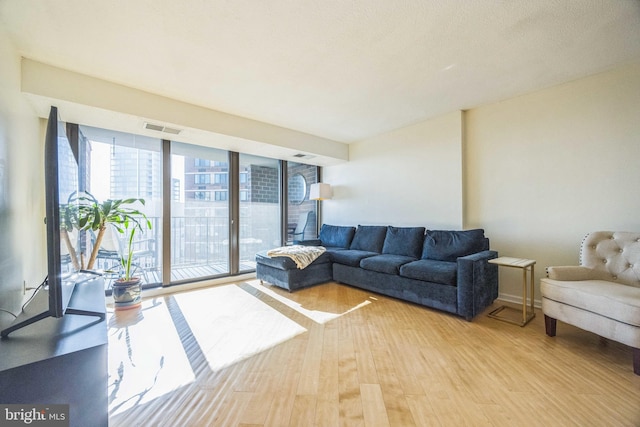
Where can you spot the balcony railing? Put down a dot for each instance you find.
(199, 249)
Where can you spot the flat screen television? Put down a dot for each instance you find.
(61, 184)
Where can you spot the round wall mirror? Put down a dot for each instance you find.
(297, 189)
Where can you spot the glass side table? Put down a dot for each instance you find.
(527, 266)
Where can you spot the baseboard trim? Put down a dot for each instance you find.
(152, 292)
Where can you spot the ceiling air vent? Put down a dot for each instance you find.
(161, 128)
(171, 130)
(303, 156)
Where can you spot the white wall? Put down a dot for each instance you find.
(411, 176)
(546, 168)
(538, 172)
(22, 250)
(94, 102)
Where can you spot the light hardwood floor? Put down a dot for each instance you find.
(252, 355)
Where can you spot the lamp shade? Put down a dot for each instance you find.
(320, 191)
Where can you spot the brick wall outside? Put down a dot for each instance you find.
(263, 184)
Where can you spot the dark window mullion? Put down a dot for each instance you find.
(166, 212)
(284, 202)
(318, 205)
(234, 212)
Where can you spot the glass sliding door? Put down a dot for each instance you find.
(259, 179)
(126, 166)
(199, 212)
(224, 206)
(302, 213)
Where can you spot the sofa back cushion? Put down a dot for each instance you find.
(369, 238)
(405, 241)
(336, 236)
(446, 245)
(615, 253)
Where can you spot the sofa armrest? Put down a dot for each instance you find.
(310, 242)
(575, 272)
(477, 283)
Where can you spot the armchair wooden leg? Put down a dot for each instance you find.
(550, 325)
(636, 361)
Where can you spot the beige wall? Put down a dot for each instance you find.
(22, 254)
(546, 168)
(538, 172)
(100, 103)
(412, 176)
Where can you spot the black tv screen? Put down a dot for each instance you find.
(61, 181)
(61, 189)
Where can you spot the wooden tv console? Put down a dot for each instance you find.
(60, 360)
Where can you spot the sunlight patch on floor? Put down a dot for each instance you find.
(231, 325)
(146, 357)
(317, 316)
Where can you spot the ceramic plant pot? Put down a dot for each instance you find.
(127, 293)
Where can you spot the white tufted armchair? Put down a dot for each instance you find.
(602, 295)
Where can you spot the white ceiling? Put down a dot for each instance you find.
(340, 69)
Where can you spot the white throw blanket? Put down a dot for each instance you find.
(301, 255)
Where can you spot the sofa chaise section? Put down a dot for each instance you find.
(283, 272)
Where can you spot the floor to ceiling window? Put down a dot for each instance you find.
(199, 212)
(259, 179)
(222, 207)
(122, 166)
(302, 215)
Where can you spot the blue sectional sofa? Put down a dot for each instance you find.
(442, 269)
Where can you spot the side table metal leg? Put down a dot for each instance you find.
(524, 296)
(532, 291)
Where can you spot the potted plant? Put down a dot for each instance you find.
(127, 290)
(96, 216)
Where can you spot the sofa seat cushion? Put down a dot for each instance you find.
(386, 263)
(613, 300)
(445, 245)
(318, 242)
(284, 263)
(429, 270)
(351, 257)
(335, 248)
